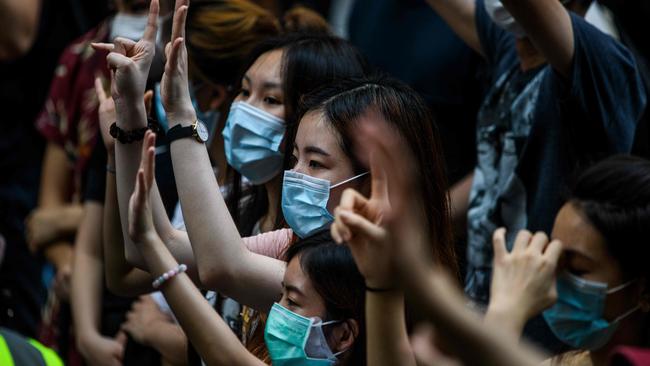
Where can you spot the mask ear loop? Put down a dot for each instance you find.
(349, 180)
(627, 313)
(619, 287)
(339, 321)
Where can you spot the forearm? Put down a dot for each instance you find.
(388, 342)
(222, 259)
(121, 277)
(505, 317)
(87, 278)
(548, 25)
(169, 340)
(445, 306)
(127, 162)
(459, 15)
(212, 338)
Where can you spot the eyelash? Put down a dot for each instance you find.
(315, 165)
(268, 100)
(272, 101)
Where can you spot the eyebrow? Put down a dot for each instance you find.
(292, 289)
(572, 253)
(316, 150)
(266, 84)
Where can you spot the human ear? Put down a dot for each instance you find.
(344, 335)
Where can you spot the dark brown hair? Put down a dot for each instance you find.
(336, 278)
(345, 102)
(309, 61)
(220, 36)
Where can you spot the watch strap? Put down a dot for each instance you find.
(179, 132)
(127, 137)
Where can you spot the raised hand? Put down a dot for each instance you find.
(174, 86)
(130, 61)
(523, 281)
(385, 232)
(107, 113)
(140, 217)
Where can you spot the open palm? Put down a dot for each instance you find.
(174, 86)
(140, 216)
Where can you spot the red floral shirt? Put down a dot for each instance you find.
(69, 117)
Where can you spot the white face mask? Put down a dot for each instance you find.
(501, 17)
(132, 26)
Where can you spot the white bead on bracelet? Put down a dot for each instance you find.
(168, 275)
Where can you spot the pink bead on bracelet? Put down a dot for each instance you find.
(168, 275)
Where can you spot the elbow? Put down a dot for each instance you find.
(215, 278)
(116, 287)
(134, 258)
(120, 287)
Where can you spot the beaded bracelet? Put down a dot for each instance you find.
(168, 275)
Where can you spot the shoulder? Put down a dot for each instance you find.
(271, 244)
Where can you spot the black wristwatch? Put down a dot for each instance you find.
(127, 137)
(196, 130)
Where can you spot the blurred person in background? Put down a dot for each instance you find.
(563, 94)
(34, 34)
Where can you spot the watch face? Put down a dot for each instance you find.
(202, 131)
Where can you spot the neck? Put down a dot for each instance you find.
(529, 57)
(273, 193)
(629, 333)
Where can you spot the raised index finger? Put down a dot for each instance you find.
(152, 22)
(180, 14)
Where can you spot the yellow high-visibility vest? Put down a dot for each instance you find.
(16, 350)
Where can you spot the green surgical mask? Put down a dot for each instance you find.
(293, 339)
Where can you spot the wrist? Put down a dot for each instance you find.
(376, 285)
(184, 117)
(506, 316)
(85, 338)
(130, 115)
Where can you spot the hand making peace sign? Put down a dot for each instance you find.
(130, 62)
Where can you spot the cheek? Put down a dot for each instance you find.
(334, 200)
(278, 111)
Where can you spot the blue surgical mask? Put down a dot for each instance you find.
(252, 139)
(304, 201)
(577, 317)
(293, 339)
(132, 26)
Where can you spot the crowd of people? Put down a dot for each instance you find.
(385, 182)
